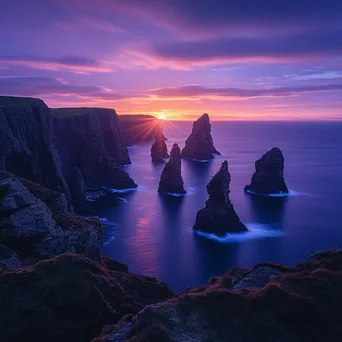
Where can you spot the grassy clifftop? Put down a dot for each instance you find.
(63, 112)
(13, 101)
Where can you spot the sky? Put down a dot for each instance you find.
(177, 59)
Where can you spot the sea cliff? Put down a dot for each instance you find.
(69, 151)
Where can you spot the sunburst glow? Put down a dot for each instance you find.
(162, 117)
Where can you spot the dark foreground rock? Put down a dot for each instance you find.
(268, 177)
(8, 259)
(267, 303)
(35, 223)
(159, 148)
(70, 298)
(218, 216)
(171, 178)
(199, 144)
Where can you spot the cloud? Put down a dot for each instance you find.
(40, 86)
(197, 91)
(74, 64)
(324, 75)
(286, 48)
(81, 22)
(249, 16)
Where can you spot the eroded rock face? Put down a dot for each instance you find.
(70, 298)
(159, 148)
(268, 177)
(34, 232)
(171, 178)
(8, 259)
(199, 144)
(46, 150)
(91, 142)
(22, 121)
(218, 216)
(275, 303)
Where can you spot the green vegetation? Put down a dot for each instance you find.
(12, 101)
(63, 112)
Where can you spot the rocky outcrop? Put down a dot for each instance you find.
(199, 144)
(159, 148)
(171, 178)
(218, 216)
(268, 177)
(88, 153)
(90, 141)
(27, 145)
(35, 230)
(137, 129)
(279, 304)
(70, 298)
(8, 259)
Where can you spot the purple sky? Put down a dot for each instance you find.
(243, 59)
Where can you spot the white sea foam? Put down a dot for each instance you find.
(255, 231)
(111, 236)
(123, 191)
(190, 191)
(173, 194)
(282, 194)
(201, 160)
(122, 200)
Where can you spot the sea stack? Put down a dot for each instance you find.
(159, 148)
(268, 177)
(171, 178)
(218, 216)
(199, 144)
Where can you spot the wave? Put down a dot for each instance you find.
(255, 231)
(282, 194)
(123, 191)
(201, 160)
(112, 234)
(174, 194)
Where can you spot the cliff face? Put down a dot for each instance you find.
(35, 223)
(219, 216)
(27, 145)
(171, 180)
(268, 177)
(90, 141)
(80, 148)
(137, 129)
(199, 145)
(159, 148)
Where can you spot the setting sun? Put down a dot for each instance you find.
(161, 117)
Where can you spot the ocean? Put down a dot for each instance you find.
(153, 234)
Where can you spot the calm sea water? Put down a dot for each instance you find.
(153, 233)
